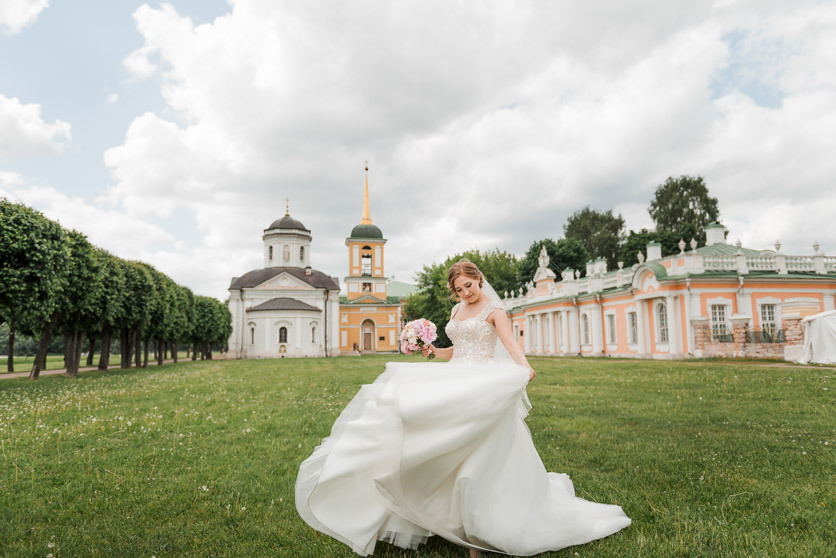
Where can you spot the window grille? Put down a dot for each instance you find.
(634, 327)
(719, 330)
(270, 250)
(282, 335)
(301, 254)
(768, 317)
(662, 315)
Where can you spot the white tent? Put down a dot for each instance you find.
(819, 338)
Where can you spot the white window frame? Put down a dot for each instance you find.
(661, 314)
(776, 304)
(632, 327)
(611, 319)
(718, 301)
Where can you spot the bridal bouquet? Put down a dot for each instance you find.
(416, 334)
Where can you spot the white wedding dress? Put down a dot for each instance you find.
(442, 448)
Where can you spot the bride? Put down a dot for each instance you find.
(443, 449)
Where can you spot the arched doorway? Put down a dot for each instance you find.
(367, 336)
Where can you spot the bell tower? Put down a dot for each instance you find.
(365, 278)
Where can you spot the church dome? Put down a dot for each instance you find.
(288, 222)
(366, 231)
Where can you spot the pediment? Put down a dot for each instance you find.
(647, 282)
(285, 281)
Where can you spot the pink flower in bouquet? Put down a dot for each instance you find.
(416, 334)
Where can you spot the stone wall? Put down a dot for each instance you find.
(704, 347)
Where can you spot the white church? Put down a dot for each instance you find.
(287, 308)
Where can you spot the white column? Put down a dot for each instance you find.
(555, 328)
(641, 337)
(596, 324)
(574, 332)
(689, 329)
(564, 330)
(538, 338)
(674, 333)
(527, 334)
(298, 335)
(549, 333)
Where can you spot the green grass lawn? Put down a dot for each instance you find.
(56, 362)
(199, 458)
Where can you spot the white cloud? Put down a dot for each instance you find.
(121, 234)
(9, 179)
(23, 131)
(485, 128)
(112, 98)
(17, 14)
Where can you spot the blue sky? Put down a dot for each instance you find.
(172, 132)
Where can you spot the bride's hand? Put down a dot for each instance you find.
(426, 350)
(531, 374)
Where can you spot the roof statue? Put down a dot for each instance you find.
(543, 272)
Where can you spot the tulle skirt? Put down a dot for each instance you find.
(443, 448)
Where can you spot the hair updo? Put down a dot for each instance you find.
(463, 267)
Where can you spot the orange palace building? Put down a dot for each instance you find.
(716, 300)
(370, 311)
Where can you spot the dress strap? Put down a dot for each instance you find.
(486, 311)
(454, 310)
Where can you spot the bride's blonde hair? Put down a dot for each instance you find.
(463, 267)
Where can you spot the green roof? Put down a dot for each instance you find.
(400, 289)
(723, 249)
(366, 231)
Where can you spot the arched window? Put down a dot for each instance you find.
(662, 319)
(366, 260)
(313, 334)
(252, 336)
(270, 250)
(282, 335)
(301, 254)
(585, 328)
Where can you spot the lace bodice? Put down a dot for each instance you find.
(474, 339)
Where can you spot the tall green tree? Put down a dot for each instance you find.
(637, 242)
(139, 300)
(77, 310)
(683, 201)
(433, 300)
(110, 304)
(33, 275)
(563, 253)
(600, 232)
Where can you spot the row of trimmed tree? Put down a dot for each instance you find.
(53, 281)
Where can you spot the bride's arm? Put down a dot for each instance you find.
(503, 330)
(446, 354)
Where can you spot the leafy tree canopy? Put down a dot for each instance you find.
(563, 253)
(683, 201)
(600, 233)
